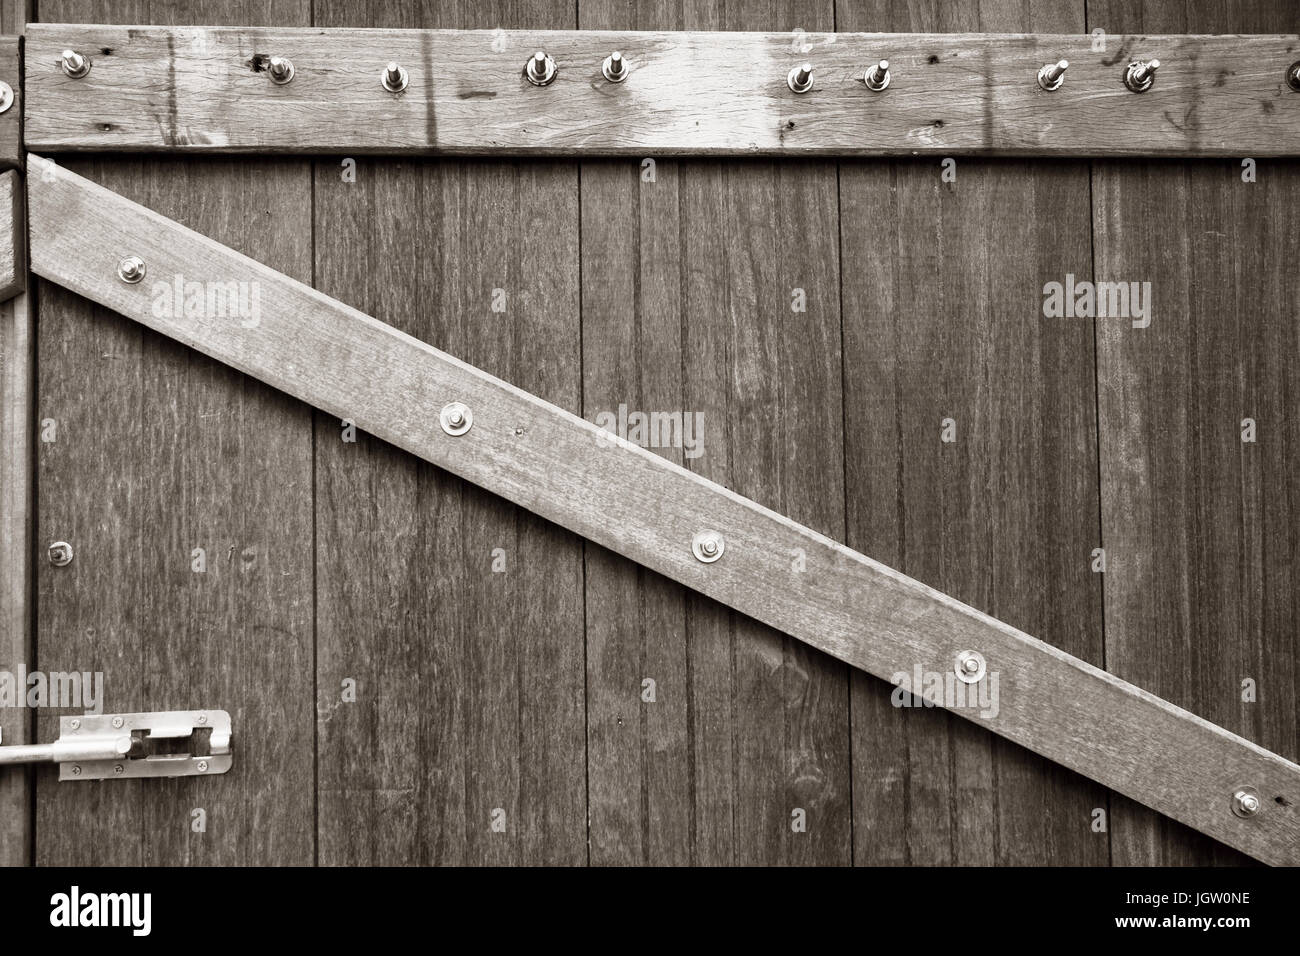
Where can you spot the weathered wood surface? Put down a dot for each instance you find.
(202, 89)
(1199, 525)
(17, 386)
(639, 504)
(155, 457)
(942, 305)
(458, 617)
(743, 755)
(13, 236)
(11, 120)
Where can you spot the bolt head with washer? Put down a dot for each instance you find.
(970, 667)
(60, 554)
(394, 78)
(280, 70)
(540, 69)
(1139, 76)
(708, 546)
(1246, 802)
(614, 68)
(456, 419)
(800, 79)
(1045, 79)
(877, 77)
(131, 269)
(74, 64)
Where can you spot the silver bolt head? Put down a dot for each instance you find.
(456, 419)
(1245, 802)
(131, 269)
(800, 79)
(1139, 76)
(201, 719)
(117, 721)
(74, 64)
(614, 68)
(877, 77)
(708, 546)
(60, 554)
(280, 69)
(541, 69)
(75, 723)
(970, 667)
(1052, 75)
(394, 78)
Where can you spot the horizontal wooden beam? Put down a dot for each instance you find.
(652, 511)
(206, 89)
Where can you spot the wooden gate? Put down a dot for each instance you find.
(422, 672)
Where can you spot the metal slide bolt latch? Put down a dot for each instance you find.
(456, 419)
(1246, 802)
(280, 70)
(708, 546)
(970, 667)
(540, 69)
(877, 77)
(1052, 75)
(394, 77)
(100, 746)
(60, 554)
(800, 79)
(1293, 76)
(614, 68)
(74, 64)
(1139, 76)
(131, 269)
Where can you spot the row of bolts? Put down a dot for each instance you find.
(708, 546)
(541, 70)
(456, 418)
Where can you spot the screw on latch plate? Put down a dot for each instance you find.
(103, 746)
(60, 554)
(1246, 802)
(970, 667)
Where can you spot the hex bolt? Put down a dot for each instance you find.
(970, 667)
(74, 64)
(203, 766)
(280, 70)
(1246, 802)
(394, 77)
(1293, 76)
(541, 69)
(1052, 75)
(60, 554)
(1139, 76)
(456, 419)
(800, 79)
(708, 546)
(614, 68)
(877, 77)
(131, 269)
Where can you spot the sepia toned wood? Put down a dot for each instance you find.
(204, 89)
(11, 120)
(17, 496)
(1199, 525)
(637, 503)
(155, 457)
(943, 321)
(13, 236)
(713, 290)
(458, 616)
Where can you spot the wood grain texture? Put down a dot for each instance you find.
(156, 456)
(11, 120)
(1199, 525)
(13, 236)
(459, 617)
(200, 89)
(748, 727)
(943, 320)
(629, 500)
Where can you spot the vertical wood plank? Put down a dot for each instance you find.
(469, 680)
(17, 388)
(943, 320)
(688, 285)
(159, 452)
(1199, 525)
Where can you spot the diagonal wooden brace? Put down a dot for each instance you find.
(654, 512)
